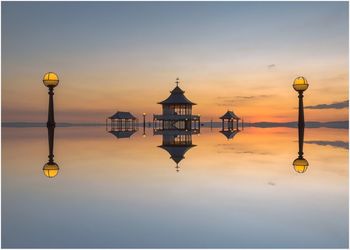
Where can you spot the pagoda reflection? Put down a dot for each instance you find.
(176, 143)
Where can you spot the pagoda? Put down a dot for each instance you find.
(177, 113)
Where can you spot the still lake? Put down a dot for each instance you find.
(126, 193)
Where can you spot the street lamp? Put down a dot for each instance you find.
(51, 80)
(300, 84)
(144, 125)
(144, 119)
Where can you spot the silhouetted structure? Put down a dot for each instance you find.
(123, 121)
(122, 124)
(144, 125)
(177, 113)
(300, 164)
(119, 134)
(51, 81)
(230, 134)
(177, 143)
(229, 117)
(51, 168)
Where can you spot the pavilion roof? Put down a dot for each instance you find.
(177, 153)
(177, 97)
(122, 134)
(122, 115)
(229, 115)
(229, 134)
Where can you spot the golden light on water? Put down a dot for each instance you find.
(300, 165)
(50, 169)
(50, 79)
(300, 84)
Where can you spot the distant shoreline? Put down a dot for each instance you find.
(311, 124)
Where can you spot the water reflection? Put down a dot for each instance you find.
(230, 133)
(176, 143)
(226, 197)
(51, 168)
(119, 134)
(300, 164)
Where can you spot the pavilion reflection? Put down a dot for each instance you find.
(176, 143)
(230, 133)
(51, 168)
(119, 134)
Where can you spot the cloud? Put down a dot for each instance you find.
(335, 105)
(271, 66)
(228, 100)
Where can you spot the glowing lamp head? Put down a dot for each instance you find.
(50, 79)
(50, 169)
(300, 84)
(144, 114)
(300, 165)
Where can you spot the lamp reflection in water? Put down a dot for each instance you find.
(300, 164)
(51, 168)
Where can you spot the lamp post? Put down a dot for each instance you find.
(144, 124)
(300, 84)
(51, 80)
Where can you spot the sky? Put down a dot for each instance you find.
(125, 56)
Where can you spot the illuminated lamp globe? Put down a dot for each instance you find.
(50, 169)
(50, 79)
(300, 165)
(300, 84)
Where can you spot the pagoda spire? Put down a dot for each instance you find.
(177, 82)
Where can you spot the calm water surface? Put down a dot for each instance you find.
(124, 193)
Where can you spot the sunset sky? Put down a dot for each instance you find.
(126, 56)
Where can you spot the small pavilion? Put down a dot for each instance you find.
(122, 124)
(123, 121)
(229, 117)
(177, 112)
